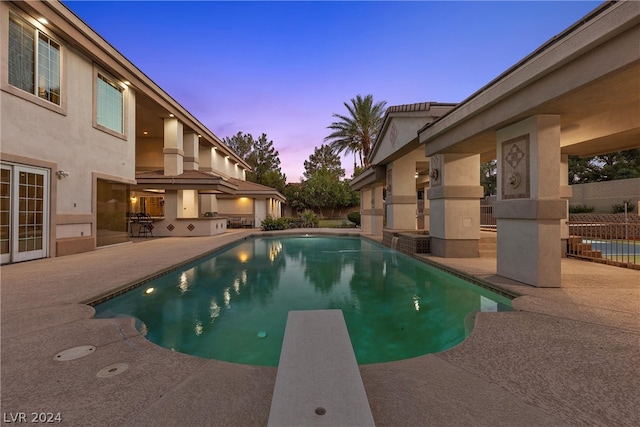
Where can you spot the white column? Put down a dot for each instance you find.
(529, 207)
(173, 147)
(565, 193)
(401, 194)
(205, 160)
(191, 151)
(454, 205)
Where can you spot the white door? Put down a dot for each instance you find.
(24, 207)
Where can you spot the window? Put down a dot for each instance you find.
(109, 105)
(33, 67)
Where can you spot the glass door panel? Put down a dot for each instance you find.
(5, 214)
(30, 233)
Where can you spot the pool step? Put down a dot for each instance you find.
(318, 381)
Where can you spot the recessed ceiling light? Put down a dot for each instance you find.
(43, 21)
(171, 115)
(145, 132)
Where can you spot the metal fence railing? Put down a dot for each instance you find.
(611, 243)
(487, 220)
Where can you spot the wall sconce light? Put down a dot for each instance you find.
(62, 174)
(134, 199)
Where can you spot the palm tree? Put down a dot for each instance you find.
(357, 131)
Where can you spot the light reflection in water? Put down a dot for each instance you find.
(214, 310)
(198, 328)
(416, 302)
(184, 283)
(227, 297)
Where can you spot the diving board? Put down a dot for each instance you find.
(318, 381)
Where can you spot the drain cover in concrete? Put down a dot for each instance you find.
(74, 353)
(112, 370)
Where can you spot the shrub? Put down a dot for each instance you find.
(354, 217)
(620, 208)
(580, 209)
(270, 224)
(308, 219)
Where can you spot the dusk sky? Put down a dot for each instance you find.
(283, 68)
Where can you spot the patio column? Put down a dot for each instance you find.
(401, 194)
(366, 209)
(565, 193)
(205, 158)
(529, 207)
(191, 151)
(454, 204)
(371, 209)
(173, 147)
(423, 205)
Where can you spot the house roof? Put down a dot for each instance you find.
(204, 181)
(403, 137)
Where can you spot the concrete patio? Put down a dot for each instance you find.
(564, 356)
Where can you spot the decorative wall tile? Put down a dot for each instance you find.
(515, 160)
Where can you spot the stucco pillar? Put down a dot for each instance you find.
(366, 208)
(423, 205)
(529, 207)
(173, 147)
(371, 209)
(191, 151)
(401, 194)
(205, 160)
(565, 193)
(454, 204)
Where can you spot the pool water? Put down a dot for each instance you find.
(233, 304)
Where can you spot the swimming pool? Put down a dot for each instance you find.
(233, 304)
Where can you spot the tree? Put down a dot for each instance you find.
(324, 190)
(263, 158)
(241, 144)
(357, 132)
(265, 163)
(323, 158)
(605, 167)
(488, 177)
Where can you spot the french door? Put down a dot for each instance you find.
(24, 213)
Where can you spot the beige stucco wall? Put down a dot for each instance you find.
(237, 206)
(36, 131)
(603, 195)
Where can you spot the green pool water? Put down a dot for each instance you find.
(233, 304)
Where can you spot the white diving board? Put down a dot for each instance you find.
(318, 381)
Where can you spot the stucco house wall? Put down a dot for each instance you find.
(62, 137)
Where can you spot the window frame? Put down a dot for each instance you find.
(101, 74)
(38, 29)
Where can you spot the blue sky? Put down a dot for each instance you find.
(283, 68)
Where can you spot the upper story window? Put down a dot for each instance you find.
(109, 104)
(34, 61)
